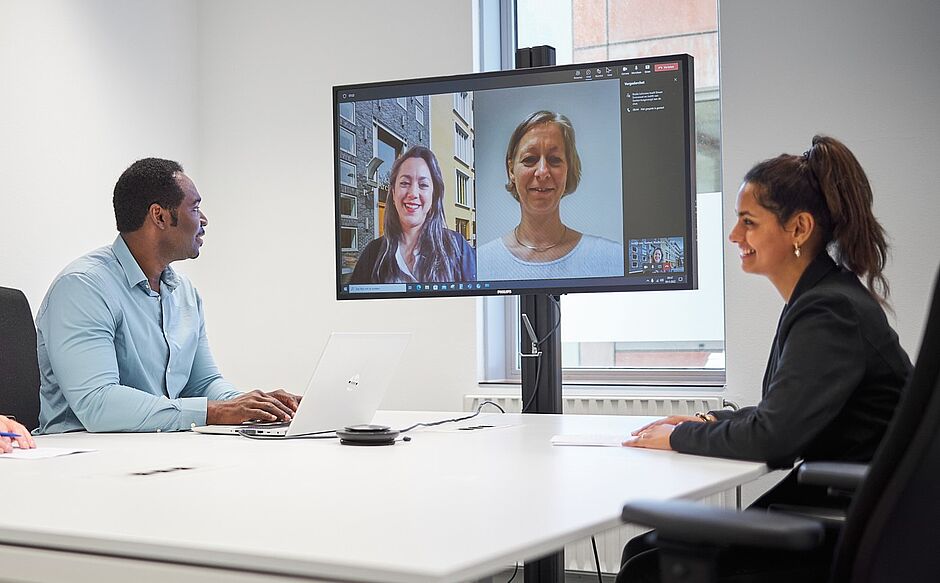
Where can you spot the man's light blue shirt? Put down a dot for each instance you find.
(116, 356)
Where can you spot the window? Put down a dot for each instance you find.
(403, 102)
(388, 147)
(347, 174)
(347, 206)
(419, 113)
(463, 189)
(463, 227)
(462, 148)
(639, 337)
(348, 111)
(349, 239)
(463, 107)
(347, 141)
(707, 141)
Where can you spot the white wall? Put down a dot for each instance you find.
(267, 271)
(865, 72)
(87, 87)
(238, 92)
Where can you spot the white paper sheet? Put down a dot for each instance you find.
(40, 453)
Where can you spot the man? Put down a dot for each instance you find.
(122, 336)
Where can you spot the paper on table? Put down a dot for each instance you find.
(40, 453)
(589, 440)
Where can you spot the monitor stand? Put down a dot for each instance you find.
(541, 363)
(540, 316)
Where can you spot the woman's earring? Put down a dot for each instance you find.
(796, 250)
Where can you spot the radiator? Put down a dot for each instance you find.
(579, 556)
(608, 404)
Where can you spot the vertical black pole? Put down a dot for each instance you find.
(541, 373)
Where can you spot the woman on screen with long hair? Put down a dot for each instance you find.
(416, 246)
(836, 368)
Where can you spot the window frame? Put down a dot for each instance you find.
(351, 104)
(502, 330)
(355, 206)
(342, 175)
(499, 318)
(463, 106)
(355, 238)
(377, 128)
(463, 179)
(463, 149)
(462, 226)
(352, 134)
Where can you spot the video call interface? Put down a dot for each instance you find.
(574, 178)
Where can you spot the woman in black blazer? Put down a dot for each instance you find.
(836, 368)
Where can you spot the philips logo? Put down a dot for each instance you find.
(502, 292)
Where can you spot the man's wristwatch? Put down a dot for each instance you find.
(706, 417)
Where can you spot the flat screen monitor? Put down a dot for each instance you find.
(576, 178)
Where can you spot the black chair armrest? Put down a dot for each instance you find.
(695, 523)
(843, 476)
(830, 517)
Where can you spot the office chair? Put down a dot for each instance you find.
(19, 365)
(888, 534)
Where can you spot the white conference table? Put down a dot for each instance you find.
(447, 506)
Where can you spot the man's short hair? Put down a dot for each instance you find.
(145, 182)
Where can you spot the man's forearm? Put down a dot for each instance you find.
(122, 408)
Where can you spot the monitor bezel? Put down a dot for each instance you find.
(560, 286)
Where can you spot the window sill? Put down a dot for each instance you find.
(509, 386)
(634, 378)
(462, 161)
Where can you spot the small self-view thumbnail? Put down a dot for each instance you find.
(656, 255)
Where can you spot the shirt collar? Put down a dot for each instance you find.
(400, 258)
(134, 274)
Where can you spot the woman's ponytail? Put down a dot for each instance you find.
(858, 239)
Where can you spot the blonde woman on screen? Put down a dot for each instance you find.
(542, 167)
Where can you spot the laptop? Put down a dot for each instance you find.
(346, 387)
